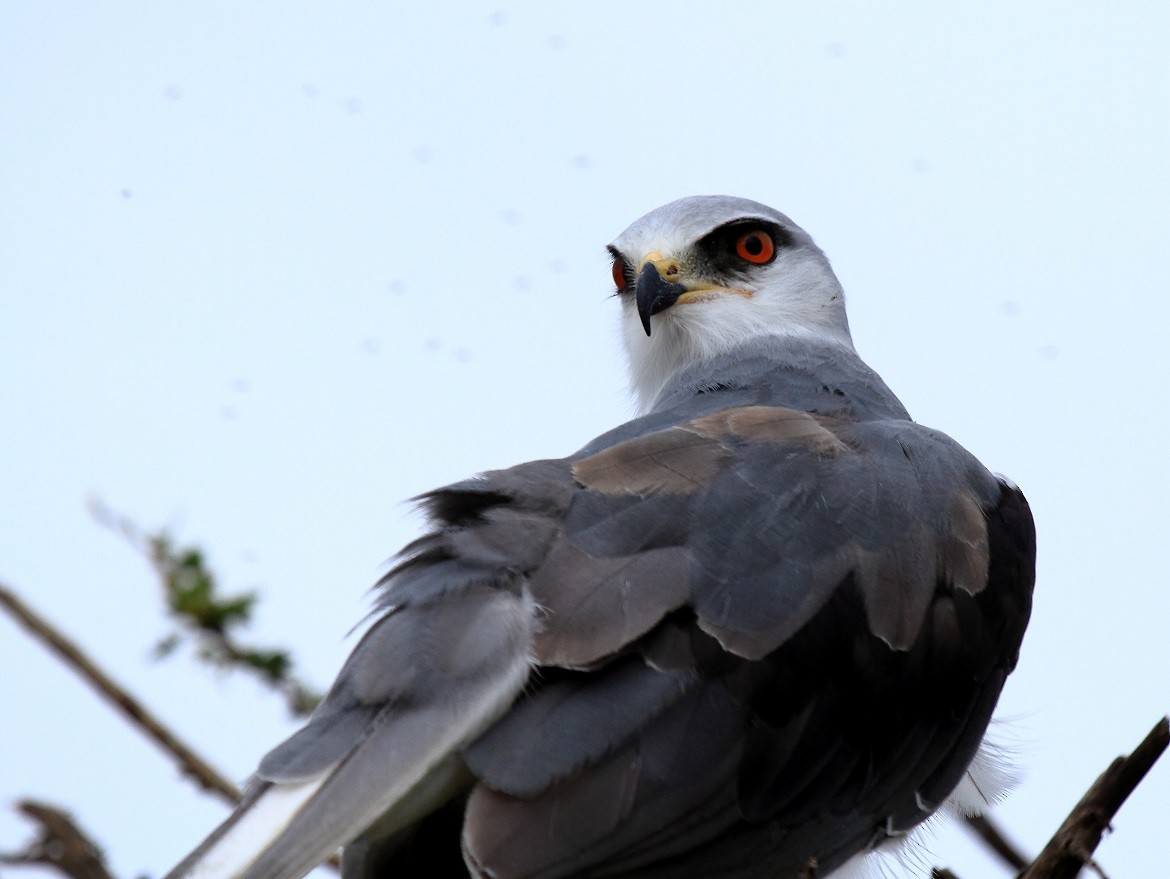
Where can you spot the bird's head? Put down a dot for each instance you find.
(701, 275)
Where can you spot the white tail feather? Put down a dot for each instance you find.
(262, 823)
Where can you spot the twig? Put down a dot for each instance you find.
(190, 763)
(61, 845)
(991, 834)
(1073, 844)
(942, 873)
(211, 619)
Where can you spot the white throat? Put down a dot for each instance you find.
(692, 334)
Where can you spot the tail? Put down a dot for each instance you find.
(431, 675)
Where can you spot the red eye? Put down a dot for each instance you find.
(756, 247)
(619, 273)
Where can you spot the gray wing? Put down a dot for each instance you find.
(812, 620)
(757, 635)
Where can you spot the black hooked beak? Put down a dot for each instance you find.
(655, 293)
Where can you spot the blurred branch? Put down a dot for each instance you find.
(190, 763)
(195, 602)
(995, 839)
(1073, 844)
(61, 845)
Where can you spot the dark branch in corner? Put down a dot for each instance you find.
(1071, 847)
(61, 845)
(995, 839)
(190, 763)
(211, 620)
(1073, 844)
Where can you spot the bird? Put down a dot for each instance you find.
(759, 630)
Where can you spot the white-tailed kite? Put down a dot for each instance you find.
(760, 627)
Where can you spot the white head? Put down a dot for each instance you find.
(703, 274)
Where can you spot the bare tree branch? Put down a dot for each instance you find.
(1073, 844)
(190, 764)
(995, 839)
(61, 845)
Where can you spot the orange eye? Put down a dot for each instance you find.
(619, 273)
(755, 247)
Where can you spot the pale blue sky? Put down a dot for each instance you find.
(266, 271)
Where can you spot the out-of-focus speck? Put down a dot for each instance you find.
(371, 346)
(309, 90)
(837, 50)
(511, 217)
(250, 556)
(523, 282)
(921, 165)
(353, 105)
(1010, 307)
(241, 386)
(498, 18)
(581, 161)
(227, 413)
(557, 266)
(556, 42)
(397, 287)
(421, 154)
(1049, 352)
(463, 355)
(172, 93)
(127, 193)
(433, 345)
